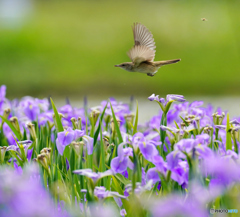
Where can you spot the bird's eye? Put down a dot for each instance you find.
(123, 64)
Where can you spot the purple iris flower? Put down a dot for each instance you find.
(67, 164)
(120, 163)
(9, 134)
(45, 117)
(27, 152)
(88, 141)
(176, 111)
(43, 104)
(2, 95)
(225, 170)
(185, 145)
(173, 97)
(176, 205)
(66, 137)
(203, 139)
(101, 193)
(98, 210)
(31, 110)
(162, 100)
(153, 174)
(220, 127)
(125, 174)
(63, 139)
(153, 97)
(195, 104)
(128, 151)
(118, 201)
(123, 212)
(92, 175)
(172, 160)
(3, 89)
(235, 121)
(24, 195)
(136, 139)
(204, 151)
(178, 174)
(65, 110)
(160, 164)
(143, 177)
(148, 150)
(78, 134)
(17, 168)
(155, 121)
(178, 168)
(231, 154)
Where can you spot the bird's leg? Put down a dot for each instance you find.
(149, 74)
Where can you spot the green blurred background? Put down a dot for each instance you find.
(69, 48)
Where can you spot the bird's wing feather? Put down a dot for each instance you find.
(140, 54)
(142, 36)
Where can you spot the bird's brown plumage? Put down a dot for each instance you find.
(142, 53)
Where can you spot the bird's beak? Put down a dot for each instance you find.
(116, 65)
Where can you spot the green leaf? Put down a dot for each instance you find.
(122, 179)
(168, 106)
(59, 126)
(17, 134)
(136, 120)
(228, 134)
(92, 126)
(102, 156)
(185, 122)
(118, 188)
(176, 125)
(162, 132)
(99, 125)
(160, 104)
(116, 126)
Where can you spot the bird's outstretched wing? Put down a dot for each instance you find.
(144, 47)
(140, 54)
(142, 36)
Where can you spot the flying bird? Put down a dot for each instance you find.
(143, 52)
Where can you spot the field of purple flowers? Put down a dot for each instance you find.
(100, 162)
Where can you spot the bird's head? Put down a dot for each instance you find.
(126, 66)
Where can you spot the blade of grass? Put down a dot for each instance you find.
(98, 129)
(136, 120)
(116, 126)
(17, 134)
(118, 188)
(228, 134)
(59, 126)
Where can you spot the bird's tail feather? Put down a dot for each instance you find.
(166, 62)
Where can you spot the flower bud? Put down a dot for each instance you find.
(106, 141)
(42, 159)
(6, 112)
(2, 153)
(191, 116)
(107, 120)
(74, 122)
(77, 147)
(47, 152)
(112, 124)
(129, 118)
(79, 123)
(14, 121)
(94, 115)
(31, 128)
(183, 125)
